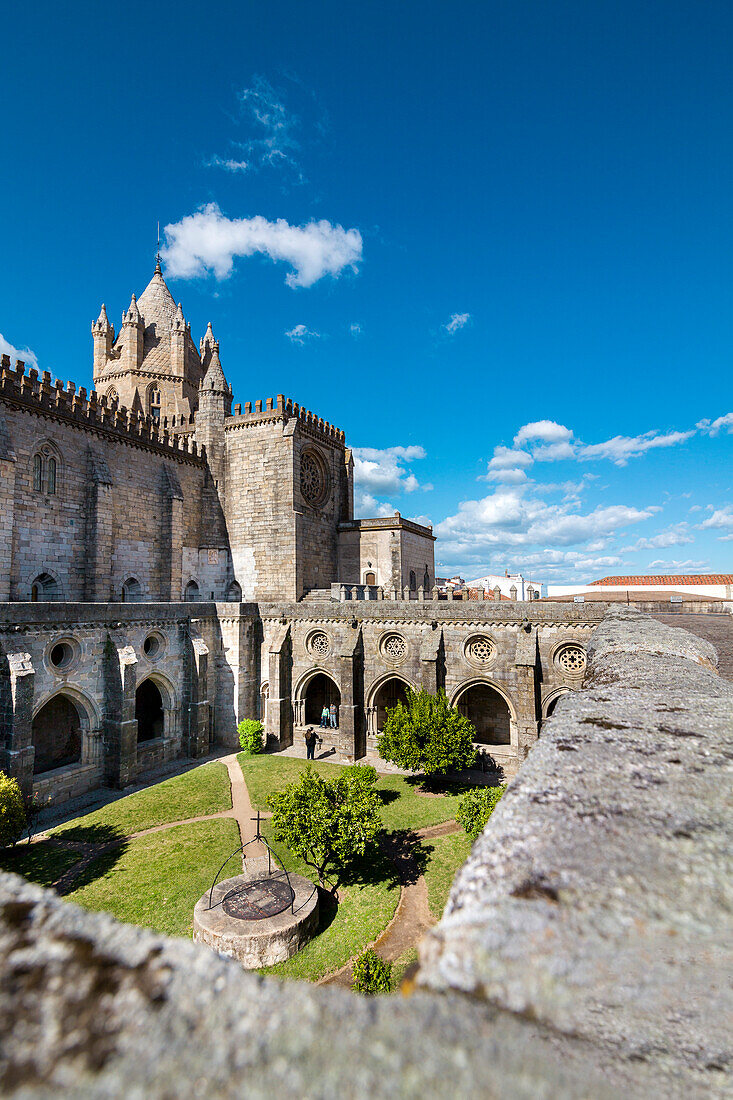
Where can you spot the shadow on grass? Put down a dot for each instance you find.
(437, 784)
(67, 862)
(399, 859)
(388, 796)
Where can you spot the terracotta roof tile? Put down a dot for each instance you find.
(684, 578)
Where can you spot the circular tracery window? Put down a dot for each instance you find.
(571, 659)
(319, 644)
(394, 647)
(480, 650)
(312, 478)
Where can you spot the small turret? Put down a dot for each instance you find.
(104, 334)
(131, 337)
(178, 343)
(214, 379)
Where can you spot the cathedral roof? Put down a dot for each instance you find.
(158, 310)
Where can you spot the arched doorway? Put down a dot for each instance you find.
(321, 691)
(370, 578)
(191, 593)
(488, 712)
(56, 734)
(149, 712)
(390, 693)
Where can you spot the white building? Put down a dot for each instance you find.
(506, 581)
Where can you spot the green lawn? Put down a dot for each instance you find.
(400, 965)
(403, 806)
(365, 909)
(203, 790)
(447, 854)
(156, 880)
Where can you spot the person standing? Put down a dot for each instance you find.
(324, 717)
(310, 743)
(333, 716)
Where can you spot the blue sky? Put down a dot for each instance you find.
(493, 242)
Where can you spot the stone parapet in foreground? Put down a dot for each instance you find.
(584, 949)
(598, 902)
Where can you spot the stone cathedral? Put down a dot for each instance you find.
(171, 563)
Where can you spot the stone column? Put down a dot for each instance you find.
(17, 682)
(279, 705)
(98, 531)
(119, 722)
(7, 510)
(351, 740)
(196, 710)
(527, 704)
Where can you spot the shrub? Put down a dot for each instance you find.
(371, 974)
(12, 811)
(427, 735)
(251, 736)
(328, 823)
(476, 807)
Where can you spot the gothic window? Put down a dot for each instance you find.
(413, 581)
(44, 587)
(570, 659)
(112, 396)
(192, 592)
(154, 402)
(393, 648)
(479, 650)
(426, 580)
(45, 470)
(313, 478)
(131, 590)
(319, 644)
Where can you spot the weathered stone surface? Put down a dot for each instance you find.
(598, 900)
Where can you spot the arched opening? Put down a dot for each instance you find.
(554, 700)
(264, 696)
(154, 402)
(426, 580)
(321, 692)
(56, 735)
(390, 693)
(488, 712)
(191, 593)
(44, 587)
(413, 581)
(370, 578)
(149, 711)
(131, 590)
(234, 593)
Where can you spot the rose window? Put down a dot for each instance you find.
(311, 479)
(480, 650)
(571, 660)
(393, 647)
(318, 644)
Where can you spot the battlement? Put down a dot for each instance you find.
(284, 408)
(71, 404)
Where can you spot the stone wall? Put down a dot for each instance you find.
(584, 951)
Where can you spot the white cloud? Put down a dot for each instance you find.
(457, 322)
(507, 477)
(367, 506)
(509, 518)
(386, 471)
(207, 241)
(507, 458)
(712, 427)
(661, 565)
(721, 517)
(228, 164)
(355, 328)
(676, 535)
(300, 334)
(547, 431)
(269, 132)
(29, 357)
(623, 447)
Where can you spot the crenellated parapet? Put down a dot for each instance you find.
(284, 409)
(39, 393)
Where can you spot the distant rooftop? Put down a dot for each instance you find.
(685, 578)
